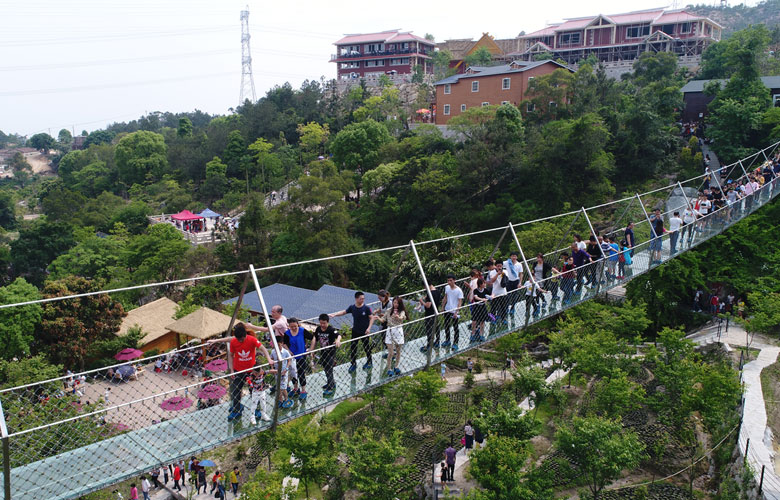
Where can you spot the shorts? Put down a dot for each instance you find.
(655, 244)
(394, 335)
(285, 381)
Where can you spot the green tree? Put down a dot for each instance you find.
(42, 142)
(234, 153)
(601, 448)
(98, 137)
(92, 258)
(69, 327)
(763, 313)
(65, 138)
(441, 64)
(616, 396)
(357, 146)
(17, 324)
(39, 244)
(312, 451)
(216, 182)
(509, 421)
(156, 255)
(313, 137)
(141, 156)
(7, 211)
(425, 392)
(253, 237)
(480, 57)
(374, 468)
(185, 127)
(498, 466)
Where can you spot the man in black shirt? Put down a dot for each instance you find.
(430, 317)
(330, 340)
(361, 322)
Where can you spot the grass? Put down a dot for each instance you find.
(343, 410)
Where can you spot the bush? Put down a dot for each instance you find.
(151, 352)
(478, 367)
(468, 380)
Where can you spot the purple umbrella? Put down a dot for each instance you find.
(128, 354)
(216, 365)
(176, 403)
(120, 427)
(212, 391)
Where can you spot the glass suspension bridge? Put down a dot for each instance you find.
(66, 437)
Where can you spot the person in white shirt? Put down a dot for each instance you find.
(532, 292)
(690, 215)
(497, 278)
(514, 274)
(453, 299)
(145, 487)
(703, 206)
(675, 223)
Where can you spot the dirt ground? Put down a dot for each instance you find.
(40, 163)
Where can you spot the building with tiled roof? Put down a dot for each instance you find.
(619, 39)
(368, 56)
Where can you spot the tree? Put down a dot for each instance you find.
(141, 156)
(763, 312)
(357, 146)
(312, 451)
(21, 169)
(509, 421)
(17, 324)
(69, 327)
(376, 464)
(185, 128)
(616, 396)
(425, 390)
(313, 137)
(601, 448)
(7, 211)
(216, 182)
(157, 254)
(480, 57)
(65, 138)
(261, 150)
(98, 137)
(498, 466)
(39, 244)
(42, 142)
(441, 64)
(92, 258)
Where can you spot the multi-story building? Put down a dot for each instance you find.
(393, 53)
(487, 86)
(617, 40)
(461, 48)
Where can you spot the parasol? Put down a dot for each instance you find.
(212, 391)
(128, 354)
(176, 403)
(216, 365)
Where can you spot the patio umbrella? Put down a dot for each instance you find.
(212, 391)
(423, 111)
(216, 365)
(207, 463)
(125, 371)
(128, 354)
(120, 427)
(176, 403)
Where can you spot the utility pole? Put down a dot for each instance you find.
(247, 81)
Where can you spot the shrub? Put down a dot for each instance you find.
(478, 367)
(468, 380)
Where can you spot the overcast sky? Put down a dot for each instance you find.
(85, 63)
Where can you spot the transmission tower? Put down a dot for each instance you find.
(247, 81)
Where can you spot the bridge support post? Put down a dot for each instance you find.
(601, 250)
(652, 231)
(278, 378)
(6, 456)
(397, 268)
(500, 240)
(743, 169)
(428, 336)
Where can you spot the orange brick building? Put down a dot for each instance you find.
(487, 86)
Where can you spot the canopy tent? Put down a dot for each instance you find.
(201, 324)
(186, 215)
(209, 214)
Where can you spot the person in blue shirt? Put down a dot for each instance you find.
(613, 250)
(361, 322)
(296, 339)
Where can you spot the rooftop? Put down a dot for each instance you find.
(503, 69)
(389, 36)
(151, 318)
(770, 82)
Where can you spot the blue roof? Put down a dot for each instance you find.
(289, 297)
(209, 213)
(305, 304)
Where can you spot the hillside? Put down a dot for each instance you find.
(737, 17)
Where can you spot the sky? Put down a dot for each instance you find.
(83, 64)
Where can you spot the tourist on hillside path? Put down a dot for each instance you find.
(453, 299)
(468, 431)
(244, 349)
(176, 477)
(145, 487)
(361, 321)
(234, 475)
(629, 237)
(133, 492)
(449, 458)
(329, 340)
(395, 316)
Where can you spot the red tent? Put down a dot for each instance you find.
(185, 215)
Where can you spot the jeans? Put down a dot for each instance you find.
(673, 241)
(450, 472)
(359, 337)
(567, 284)
(327, 360)
(431, 330)
(512, 298)
(235, 488)
(236, 387)
(176, 485)
(451, 321)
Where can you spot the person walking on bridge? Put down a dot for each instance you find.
(361, 322)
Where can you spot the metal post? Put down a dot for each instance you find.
(743, 169)
(761, 482)
(601, 250)
(238, 305)
(430, 297)
(687, 201)
(6, 455)
(273, 340)
(747, 447)
(500, 240)
(652, 230)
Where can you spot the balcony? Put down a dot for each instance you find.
(383, 53)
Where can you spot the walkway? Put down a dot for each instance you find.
(191, 431)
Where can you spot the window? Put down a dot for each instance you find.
(475, 86)
(570, 38)
(462, 108)
(530, 79)
(530, 107)
(552, 104)
(447, 88)
(375, 47)
(446, 109)
(399, 61)
(504, 102)
(375, 63)
(637, 31)
(686, 27)
(506, 83)
(485, 104)
(776, 100)
(668, 29)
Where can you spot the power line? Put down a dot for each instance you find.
(117, 36)
(101, 62)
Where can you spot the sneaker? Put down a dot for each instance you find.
(266, 418)
(436, 345)
(233, 415)
(302, 396)
(293, 393)
(328, 392)
(384, 355)
(397, 371)
(352, 369)
(454, 347)
(424, 349)
(368, 365)
(287, 404)
(253, 420)
(481, 339)
(325, 386)
(257, 416)
(390, 373)
(446, 343)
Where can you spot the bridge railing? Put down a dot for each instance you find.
(83, 431)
